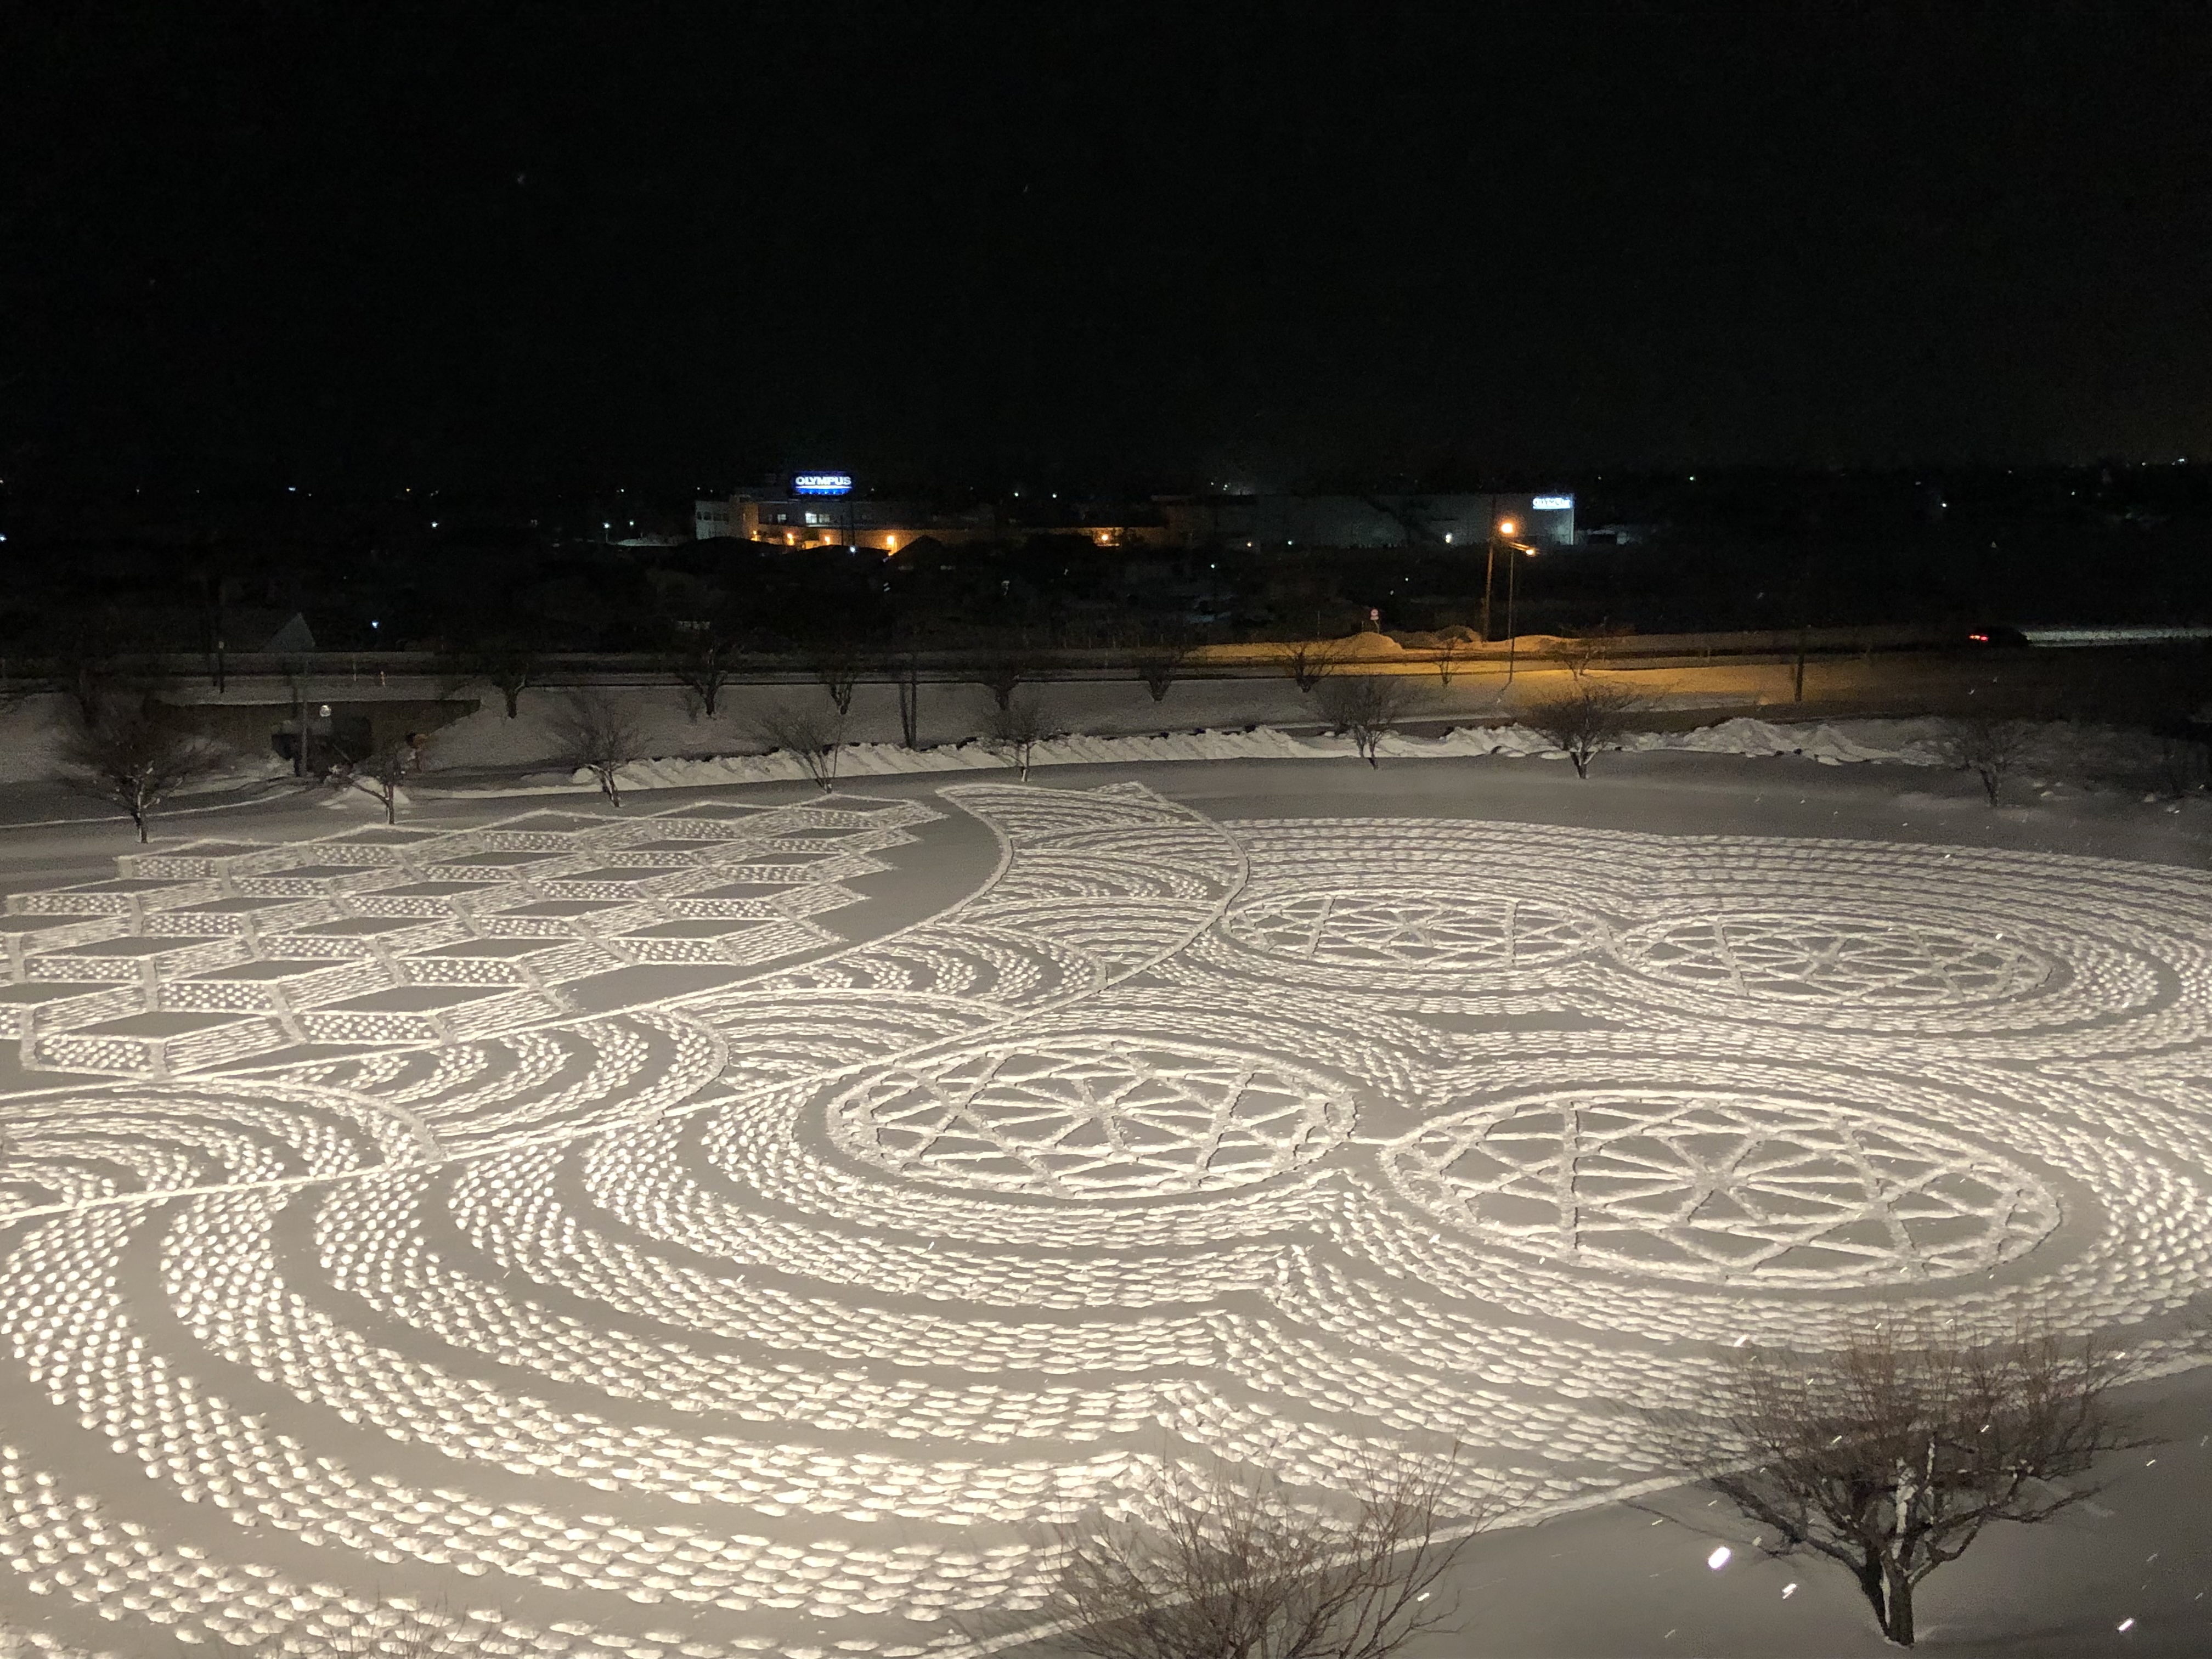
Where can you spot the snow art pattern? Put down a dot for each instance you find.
(1725, 1188)
(1802, 958)
(1445, 932)
(592, 1236)
(1089, 1120)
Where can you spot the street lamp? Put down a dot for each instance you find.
(1512, 588)
(1499, 528)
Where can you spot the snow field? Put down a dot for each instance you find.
(770, 1311)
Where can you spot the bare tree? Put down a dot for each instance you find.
(90, 670)
(1579, 654)
(703, 661)
(512, 666)
(906, 676)
(815, 737)
(1219, 1563)
(2167, 762)
(2183, 763)
(839, 674)
(382, 775)
(1309, 661)
(1367, 707)
(597, 734)
(1159, 663)
(122, 755)
(1002, 673)
(1013, 732)
(1891, 1455)
(1584, 720)
(1988, 747)
(1450, 652)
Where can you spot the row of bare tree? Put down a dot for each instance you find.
(706, 665)
(123, 751)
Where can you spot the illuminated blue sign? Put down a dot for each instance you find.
(822, 484)
(1552, 503)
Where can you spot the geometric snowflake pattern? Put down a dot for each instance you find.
(1458, 933)
(1093, 1119)
(1780, 957)
(1725, 1188)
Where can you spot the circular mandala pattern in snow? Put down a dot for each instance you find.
(1774, 956)
(1724, 1188)
(1090, 1119)
(1459, 932)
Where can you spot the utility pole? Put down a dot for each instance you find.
(1513, 557)
(1804, 627)
(1489, 573)
(300, 720)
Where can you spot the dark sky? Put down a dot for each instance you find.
(386, 243)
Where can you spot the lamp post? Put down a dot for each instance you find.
(1512, 590)
(1499, 529)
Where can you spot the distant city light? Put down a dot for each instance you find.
(1552, 503)
(1506, 527)
(822, 484)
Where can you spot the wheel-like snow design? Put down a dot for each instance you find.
(1420, 929)
(1874, 963)
(1093, 1119)
(417, 1271)
(1724, 1188)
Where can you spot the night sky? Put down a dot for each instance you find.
(375, 244)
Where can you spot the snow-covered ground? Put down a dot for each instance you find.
(731, 1225)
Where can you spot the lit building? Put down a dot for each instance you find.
(1460, 520)
(821, 510)
(806, 516)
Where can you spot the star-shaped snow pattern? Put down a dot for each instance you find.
(1776, 957)
(1090, 1120)
(1699, 1185)
(1457, 932)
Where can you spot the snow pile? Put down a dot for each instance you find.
(1365, 647)
(1910, 742)
(1906, 741)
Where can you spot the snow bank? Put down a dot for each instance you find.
(1838, 743)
